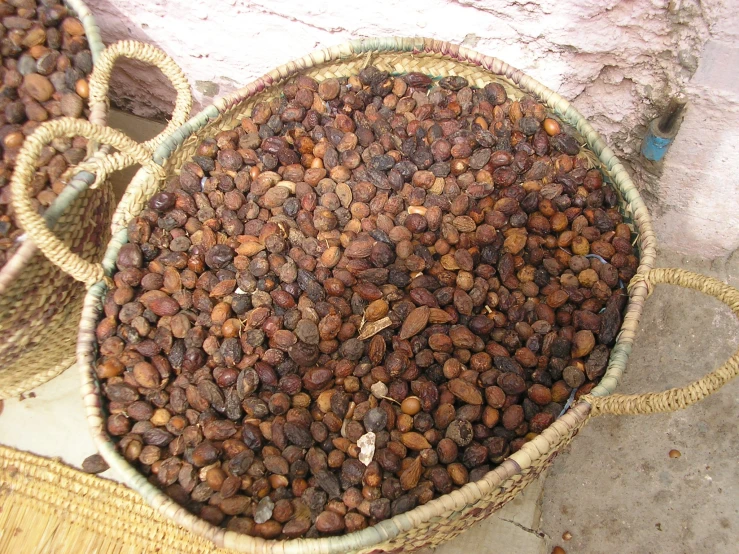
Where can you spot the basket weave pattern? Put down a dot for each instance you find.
(39, 303)
(39, 311)
(444, 517)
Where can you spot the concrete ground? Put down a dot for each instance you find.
(615, 489)
(137, 128)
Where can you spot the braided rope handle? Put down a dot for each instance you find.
(100, 103)
(101, 163)
(32, 223)
(100, 83)
(678, 398)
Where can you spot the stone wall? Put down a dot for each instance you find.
(620, 61)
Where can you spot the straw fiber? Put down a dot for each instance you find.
(38, 302)
(678, 398)
(448, 515)
(42, 287)
(50, 507)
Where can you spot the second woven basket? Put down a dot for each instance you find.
(40, 303)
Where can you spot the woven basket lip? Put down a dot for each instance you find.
(446, 505)
(16, 263)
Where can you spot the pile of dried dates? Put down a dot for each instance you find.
(44, 64)
(367, 295)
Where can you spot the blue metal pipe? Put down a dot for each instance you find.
(655, 144)
(662, 131)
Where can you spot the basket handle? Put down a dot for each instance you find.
(33, 224)
(101, 163)
(99, 102)
(678, 398)
(100, 83)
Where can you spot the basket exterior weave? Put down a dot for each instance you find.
(39, 307)
(445, 517)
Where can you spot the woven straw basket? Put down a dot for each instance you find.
(444, 517)
(40, 303)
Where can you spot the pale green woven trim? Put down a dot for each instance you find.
(90, 390)
(176, 138)
(111, 252)
(92, 31)
(69, 194)
(83, 180)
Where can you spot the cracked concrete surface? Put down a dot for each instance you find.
(513, 529)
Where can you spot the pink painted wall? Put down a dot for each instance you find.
(619, 60)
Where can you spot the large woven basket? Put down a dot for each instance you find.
(40, 303)
(445, 517)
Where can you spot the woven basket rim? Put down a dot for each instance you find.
(15, 264)
(543, 445)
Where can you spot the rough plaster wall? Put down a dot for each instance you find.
(619, 60)
(697, 195)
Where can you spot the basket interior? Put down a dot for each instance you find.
(446, 516)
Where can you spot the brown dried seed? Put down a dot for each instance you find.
(223, 288)
(376, 351)
(94, 464)
(437, 315)
(415, 322)
(376, 310)
(164, 305)
(466, 392)
(582, 344)
(414, 441)
(360, 248)
(464, 224)
(410, 476)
